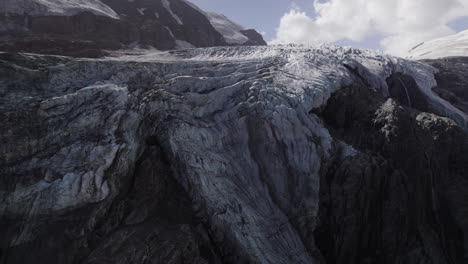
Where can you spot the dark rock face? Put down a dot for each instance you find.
(405, 90)
(195, 28)
(452, 80)
(243, 159)
(400, 201)
(153, 221)
(255, 38)
(142, 23)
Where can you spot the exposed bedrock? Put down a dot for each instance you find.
(285, 154)
(89, 35)
(452, 80)
(401, 197)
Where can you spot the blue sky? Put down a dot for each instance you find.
(266, 16)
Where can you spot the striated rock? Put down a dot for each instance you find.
(285, 154)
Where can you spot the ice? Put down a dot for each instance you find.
(310, 74)
(181, 44)
(450, 46)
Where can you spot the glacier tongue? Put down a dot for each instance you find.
(235, 122)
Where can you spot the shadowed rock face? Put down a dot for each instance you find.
(139, 23)
(229, 155)
(255, 38)
(452, 80)
(152, 220)
(405, 90)
(399, 200)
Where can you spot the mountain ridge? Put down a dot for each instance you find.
(89, 27)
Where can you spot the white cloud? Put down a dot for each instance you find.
(401, 23)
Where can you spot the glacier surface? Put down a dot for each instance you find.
(237, 122)
(310, 74)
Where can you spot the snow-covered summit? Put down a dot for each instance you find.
(450, 46)
(55, 7)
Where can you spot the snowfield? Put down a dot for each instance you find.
(450, 46)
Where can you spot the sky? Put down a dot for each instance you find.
(393, 26)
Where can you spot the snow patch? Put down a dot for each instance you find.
(141, 11)
(450, 46)
(229, 29)
(167, 6)
(181, 44)
(170, 32)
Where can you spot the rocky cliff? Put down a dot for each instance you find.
(285, 154)
(88, 28)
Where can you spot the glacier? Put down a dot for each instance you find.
(238, 128)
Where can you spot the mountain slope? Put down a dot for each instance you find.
(450, 46)
(88, 27)
(287, 154)
(230, 30)
(55, 7)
